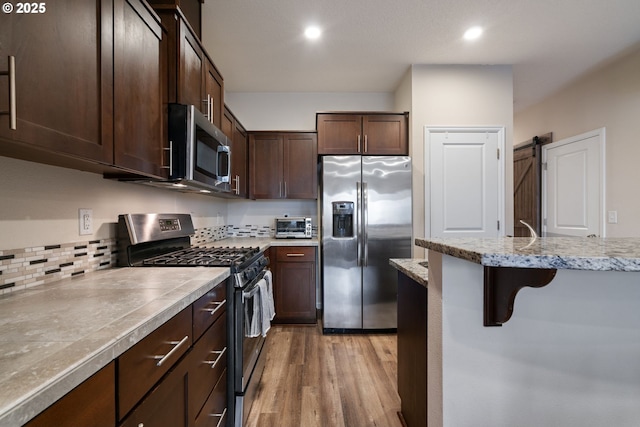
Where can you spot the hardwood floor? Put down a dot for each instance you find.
(311, 379)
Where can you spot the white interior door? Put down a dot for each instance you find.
(465, 182)
(573, 186)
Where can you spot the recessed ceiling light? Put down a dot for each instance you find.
(312, 32)
(473, 33)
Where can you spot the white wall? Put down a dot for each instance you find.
(39, 204)
(297, 111)
(456, 95)
(608, 97)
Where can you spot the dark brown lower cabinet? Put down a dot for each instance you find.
(92, 403)
(294, 284)
(165, 405)
(412, 350)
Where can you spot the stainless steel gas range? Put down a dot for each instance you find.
(163, 240)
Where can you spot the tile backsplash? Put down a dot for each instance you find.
(27, 267)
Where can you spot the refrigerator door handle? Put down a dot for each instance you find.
(365, 223)
(358, 219)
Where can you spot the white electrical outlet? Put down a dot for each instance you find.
(613, 217)
(85, 220)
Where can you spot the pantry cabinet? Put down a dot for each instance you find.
(294, 283)
(193, 79)
(362, 133)
(237, 134)
(88, 86)
(283, 165)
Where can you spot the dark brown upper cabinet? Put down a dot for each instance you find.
(193, 78)
(88, 86)
(362, 133)
(239, 138)
(283, 165)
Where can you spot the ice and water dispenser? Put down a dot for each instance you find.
(342, 219)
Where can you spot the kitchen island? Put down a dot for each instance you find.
(565, 352)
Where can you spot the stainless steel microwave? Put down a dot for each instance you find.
(293, 227)
(200, 157)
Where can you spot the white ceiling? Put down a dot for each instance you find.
(368, 45)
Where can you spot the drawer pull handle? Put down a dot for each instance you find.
(218, 305)
(294, 255)
(219, 415)
(177, 345)
(220, 354)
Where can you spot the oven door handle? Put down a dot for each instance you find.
(253, 287)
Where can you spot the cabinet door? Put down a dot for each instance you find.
(191, 83)
(385, 134)
(265, 166)
(92, 403)
(300, 174)
(64, 78)
(295, 285)
(240, 159)
(165, 405)
(213, 93)
(339, 133)
(138, 91)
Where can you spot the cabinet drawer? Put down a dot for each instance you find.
(140, 367)
(207, 361)
(296, 254)
(208, 308)
(214, 412)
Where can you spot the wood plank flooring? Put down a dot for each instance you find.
(311, 379)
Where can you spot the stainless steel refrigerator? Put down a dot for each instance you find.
(366, 219)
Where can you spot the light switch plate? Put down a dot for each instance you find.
(612, 217)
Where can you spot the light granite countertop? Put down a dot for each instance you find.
(572, 253)
(415, 268)
(55, 336)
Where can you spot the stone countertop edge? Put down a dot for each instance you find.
(81, 357)
(263, 242)
(414, 268)
(570, 253)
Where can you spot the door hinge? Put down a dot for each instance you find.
(498, 152)
(498, 225)
(544, 166)
(544, 222)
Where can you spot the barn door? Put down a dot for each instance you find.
(526, 185)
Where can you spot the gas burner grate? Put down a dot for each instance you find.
(209, 257)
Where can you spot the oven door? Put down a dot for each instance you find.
(249, 355)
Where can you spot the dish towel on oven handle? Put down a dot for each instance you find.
(269, 279)
(257, 321)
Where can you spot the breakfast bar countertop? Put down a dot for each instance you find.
(571, 253)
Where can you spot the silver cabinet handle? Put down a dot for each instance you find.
(11, 72)
(285, 189)
(177, 344)
(170, 150)
(358, 143)
(218, 305)
(220, 353)
(219, 415)
(237, 189)
(295, 254)
(366, 144)
(207, 103)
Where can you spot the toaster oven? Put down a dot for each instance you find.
(293, 228)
